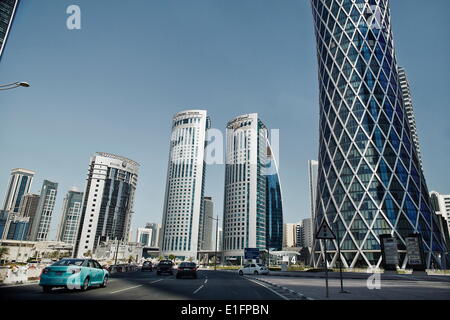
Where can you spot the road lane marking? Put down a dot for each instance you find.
(264, 286)
(127, 289)
(200, 288)
(206, 281)
(156, 281)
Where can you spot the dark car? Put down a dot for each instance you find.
(147, 265)
(165, 266)
(187, 269)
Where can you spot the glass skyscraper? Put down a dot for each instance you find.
(70, 218)
(369, 181)
(274, 206)
(7, 11)
(40, 227)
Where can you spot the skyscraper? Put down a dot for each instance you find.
(369, 181)
(182, 220)
(70, 219)
(43, 218)
(441, 205)
(209, 225)
(156, 229)
(274, 205)
(108, 201)
(290, 234)
(244, 224)
(409, 111)
(19, 185)
(28, 209)
(144, 236)
(313, 167)
(7, 11)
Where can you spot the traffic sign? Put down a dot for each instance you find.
(325, 231)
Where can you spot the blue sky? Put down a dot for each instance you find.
(114, 85)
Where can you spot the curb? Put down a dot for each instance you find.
(296, 295)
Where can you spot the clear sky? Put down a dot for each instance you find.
(114, 85)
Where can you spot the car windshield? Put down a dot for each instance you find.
(69, 262)
(260, 265)
(147, 262)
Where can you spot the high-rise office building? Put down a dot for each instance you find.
(409, 111)
(70, 219)
(7, 11)
(144, 236)
(369, 181)
(108, 201)
(43, 218)
(305, 237)
(19, 185)
(313, 167)
(274, 205)
(209, 224)
(441, 205)
(156, 229)
(183, 215)
(290, 234)
(244, 224)
(28, 209)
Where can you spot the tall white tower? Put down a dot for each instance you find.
(183, 207)
(244, 223)
(108, 201)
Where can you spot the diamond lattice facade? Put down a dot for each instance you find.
(370, 182)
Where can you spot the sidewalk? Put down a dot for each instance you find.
(418, 276)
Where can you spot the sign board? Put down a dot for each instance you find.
(414, 252)
(389, 250)
(325, 232)
(251, 253)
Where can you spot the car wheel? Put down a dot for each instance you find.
(195, 276)
(47, 289)
(241, 273)
(105, 282)
(85, 285)
(255, 273)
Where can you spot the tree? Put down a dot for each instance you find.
(130, 259)
(3, 252)
(88, 254)
(171, 257)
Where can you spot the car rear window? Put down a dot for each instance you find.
(69, 262)
(187, 265)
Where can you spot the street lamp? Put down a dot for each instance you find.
(14, 85)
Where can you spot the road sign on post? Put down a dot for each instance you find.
(325, 233)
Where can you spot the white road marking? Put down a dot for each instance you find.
(200, 288)
(127, 289)
(156, 281)
(262, 285)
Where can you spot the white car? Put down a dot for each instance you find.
(253, 268)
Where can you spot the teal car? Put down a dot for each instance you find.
(72, 274)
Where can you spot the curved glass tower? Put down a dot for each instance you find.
(274, 205)
(369, 182)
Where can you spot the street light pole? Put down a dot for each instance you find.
(217, 236)
(14, 85)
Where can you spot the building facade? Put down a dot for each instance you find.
(244, 224)
(8, 10)
(19, 185)
(144, 236)
(108, 202)
(274, 205)
(370, 182)
(156, 230)
(290, 231)
(441, 205)
(209, 225)
(43, 218)
(70, 219)
(409, 111)
(183, 214)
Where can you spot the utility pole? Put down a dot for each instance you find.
(217, 243)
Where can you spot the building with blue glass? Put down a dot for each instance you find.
(369, 180)
(7, 12)
(274, 207)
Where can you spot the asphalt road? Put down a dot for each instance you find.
(210, 285)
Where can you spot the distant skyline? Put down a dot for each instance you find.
(114, 87)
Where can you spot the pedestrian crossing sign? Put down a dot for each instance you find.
(325, 232)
